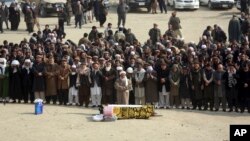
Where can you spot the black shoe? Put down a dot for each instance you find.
(161, 108)
(182, 107)
(242, 111)
(188, 108)
(224, 110)
(194, 108)
(93, 106)
(230, 110)
(236, 110)
(216, 110)
(204, 109)
(200, 109)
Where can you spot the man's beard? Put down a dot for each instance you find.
(125, 81)
(108, 68)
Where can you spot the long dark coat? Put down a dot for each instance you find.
(14, 17)
(27, 78)
(15, 86)
(39, 81)
(184, 86)
(196, 81)
(244, 77)
(4, 83)
(163, 74)
(108, 85)
(209, 89)
(234, 30)
(151, 88)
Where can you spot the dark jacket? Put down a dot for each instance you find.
(122, 9)
(96, 77)
(163, 74)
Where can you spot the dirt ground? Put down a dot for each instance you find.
(18, 122)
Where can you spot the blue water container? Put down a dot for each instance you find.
(38, 106)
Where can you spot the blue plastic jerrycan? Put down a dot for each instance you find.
(38, 106)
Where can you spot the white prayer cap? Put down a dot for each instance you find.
(122, 72)
(27, 61)
(169, 50)
(116, 44)
(129, 70)
(73, 66)
(82, 46)
(193, 53)
(229, 49)
(132, 53)
(191, 48)
(117, 55)
(15, 62)
(119, 68)
(203, 46)
(150, 69)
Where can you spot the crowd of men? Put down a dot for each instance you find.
(115, 68)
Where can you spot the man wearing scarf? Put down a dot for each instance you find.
(231, 88)
(219, 88)
(27, 81)
(123, 86)
(62, 79)
(4, 79)
(83, 81)
(96, 84)
(139, 84)
(208, 87)
(51, 71)
(39, 79)
(109, 75)
(73, 87)
(197, 86)
(174, 78)
(15, 82)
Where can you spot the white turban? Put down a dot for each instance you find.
(203, 46)
(150, 69)
(15, 62)
(129, 70)
(119, 68)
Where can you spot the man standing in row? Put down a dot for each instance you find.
(5, 14)
(122, 10)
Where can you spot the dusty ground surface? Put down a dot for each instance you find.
(18, 123)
